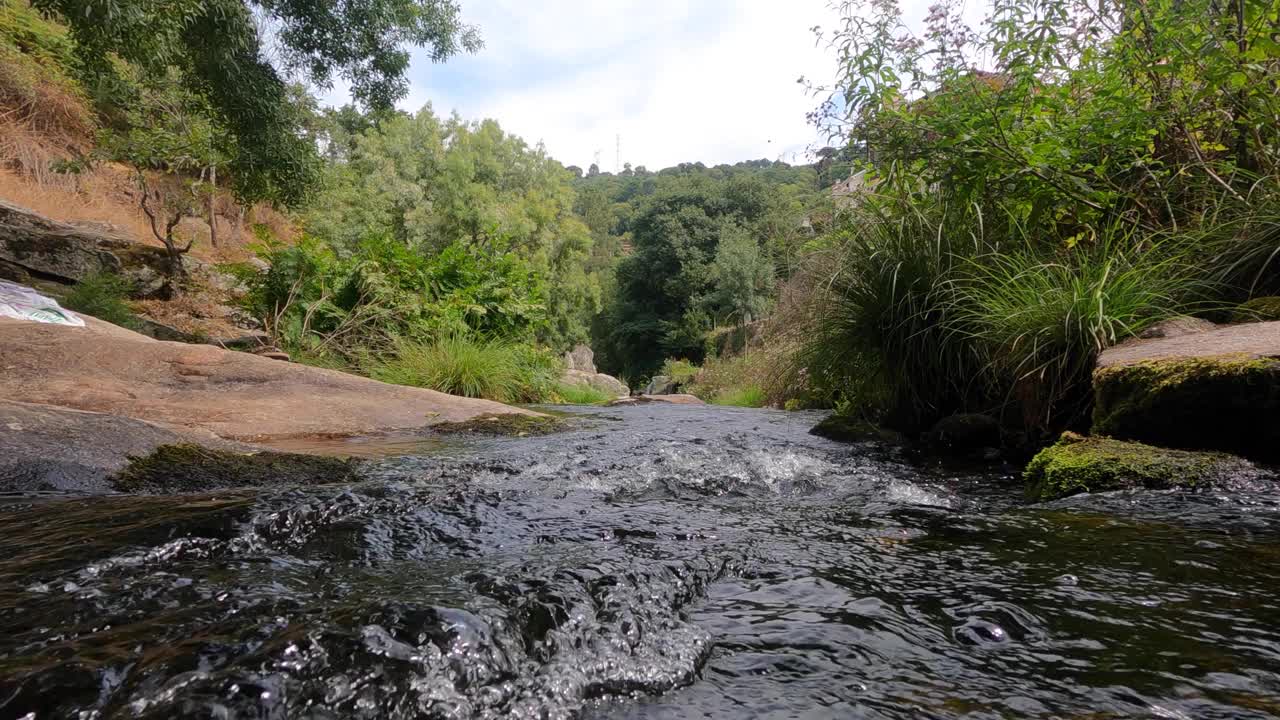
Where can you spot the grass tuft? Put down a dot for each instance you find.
(102, 295)
(470, 367)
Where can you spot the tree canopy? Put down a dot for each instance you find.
(218, 50)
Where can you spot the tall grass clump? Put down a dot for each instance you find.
(1039, 320)
(581, 395)
(102, 295)
(471, 367)
(748, 397)
(882, 314)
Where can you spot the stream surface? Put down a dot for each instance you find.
(658, 562)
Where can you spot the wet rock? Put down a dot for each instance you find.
(964, 433)
(504, 425)
(673, 399)
(842, 428)
(52, 448)
(607, 384)
(1263, 309)
(194, 468)
(105, 368)
(1079, 464)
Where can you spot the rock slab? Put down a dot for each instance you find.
(233, 395)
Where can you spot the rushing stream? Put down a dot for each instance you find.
(660, 562)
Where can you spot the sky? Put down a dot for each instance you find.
(677, 81)
(646, 82)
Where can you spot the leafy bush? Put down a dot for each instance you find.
(461, 365)
(681, 372)
(364, 300)
(102, 295)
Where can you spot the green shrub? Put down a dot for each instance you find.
(1040, 321)
(881, 333)
(581, 395)
(751, 397)
(102, 295)
(680, 371)
(461, 365)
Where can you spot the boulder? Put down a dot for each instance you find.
(235, 395)
(582, 359)
(1262, 309)
(842, 428)
(1079, 464)
(964, 433)
(607, 384)
(1215, 390)
(660, 385)
(69, 253)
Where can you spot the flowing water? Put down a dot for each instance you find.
(659, 562)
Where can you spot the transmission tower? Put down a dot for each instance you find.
(617, 154)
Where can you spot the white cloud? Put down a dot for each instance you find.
(679, 80)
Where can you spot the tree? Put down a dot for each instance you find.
(742, 277)
(216, 49)
(434, 185)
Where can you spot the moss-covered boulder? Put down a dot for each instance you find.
(504, 425)
(1262, 309)
(1079, 464)
(843, 428)
(194, 468)
(1229, 403)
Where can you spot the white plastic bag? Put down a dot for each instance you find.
(22, 303)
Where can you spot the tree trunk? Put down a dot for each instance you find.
(213, 196)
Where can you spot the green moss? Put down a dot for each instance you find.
(1078, 464)
(843, 428)
(1225, 403)
(193, 468)
(509, 424)
(1262, 309)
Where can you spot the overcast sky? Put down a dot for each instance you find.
(678, 80)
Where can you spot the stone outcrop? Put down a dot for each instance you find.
(580, 369)
(1079, 464)
(607, 384)
(33, 244)
(195, 388)
(1213, 390)
(582, 359)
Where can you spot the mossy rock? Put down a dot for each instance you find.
(842, 428)
(509, 424)
(1079, 464)
(194, 468)
(1262, 309)
(1224, 403)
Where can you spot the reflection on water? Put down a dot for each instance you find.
(683, 562)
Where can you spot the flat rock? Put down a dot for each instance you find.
(234, 395)
(1249, 340)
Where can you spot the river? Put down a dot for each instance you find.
(656, 562)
